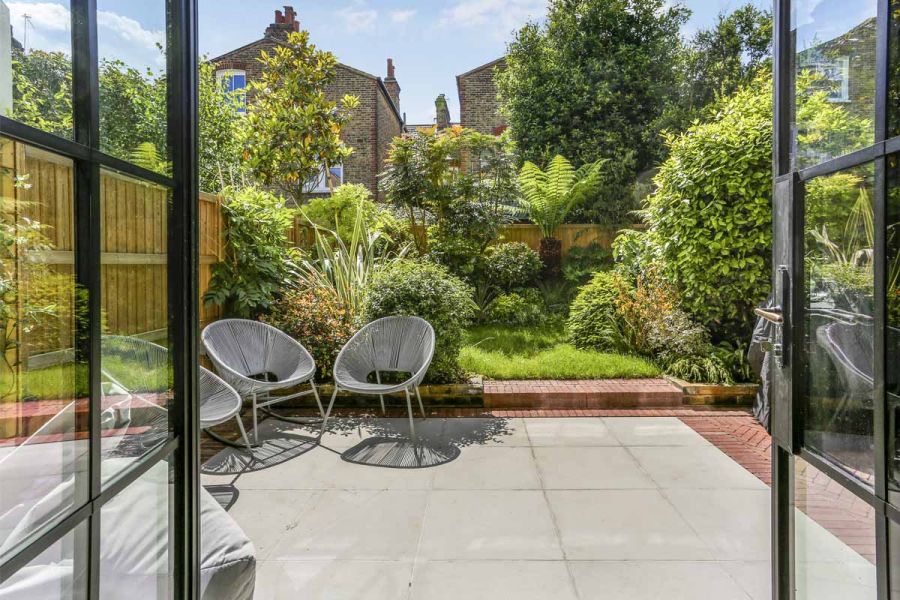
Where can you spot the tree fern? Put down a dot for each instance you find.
(548, 196)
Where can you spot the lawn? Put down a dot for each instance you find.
(505, 352)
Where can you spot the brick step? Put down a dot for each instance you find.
(589, 394)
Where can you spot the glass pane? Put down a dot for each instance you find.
(894, 72)
(892, 334)
(131, 42)
(36, 65)
(135, 361)
(135, 530)
(58, 573)
(839, 299)
(43, 397)
(834, 538)
(835, 72)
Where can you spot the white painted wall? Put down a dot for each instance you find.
(5, 61)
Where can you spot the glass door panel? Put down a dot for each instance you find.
(839, 298)
(43, 394)
(834, 65)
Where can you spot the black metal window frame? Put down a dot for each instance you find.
(784, 450)
(181, 450)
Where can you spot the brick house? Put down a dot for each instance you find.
(479, 108)
(375, 122)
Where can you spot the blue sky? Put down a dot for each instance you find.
(431, 41)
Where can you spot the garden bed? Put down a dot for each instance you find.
(542, 352)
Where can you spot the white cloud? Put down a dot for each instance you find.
(402, 16)
(129, 30)
(118, 36)
(359, 18)
(502, 15)
(48, 27)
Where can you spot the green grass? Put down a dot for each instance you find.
(503, 352)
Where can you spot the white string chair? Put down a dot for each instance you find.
(257, 359)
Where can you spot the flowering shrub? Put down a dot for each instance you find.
(316, 319)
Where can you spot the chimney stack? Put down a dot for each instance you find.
(390, 83)
(443, 112)
(285, 23)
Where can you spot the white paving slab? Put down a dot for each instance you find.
(612, 508)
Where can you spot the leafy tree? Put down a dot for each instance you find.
(292, 128)
(132, 111)
(450, 175)
(42, 90)
(220, 157)
(549, 195)
(588, 83)
(717, 61)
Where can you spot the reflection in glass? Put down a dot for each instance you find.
(834, 538)
(43, 400)
(892, 331)
(135, 361)
(893, 78)
(36, 66)
(135, 561)
(835, 73)
(839, 311)
(58, 573)
(131, 43)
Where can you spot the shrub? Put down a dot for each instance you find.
(711, 216)
(584, 261)
(459, 254)
(318, 320)
(525, 307)
(511, 266)
(257, 259)
(428, 291)
(593, 315)
(338, 212)
(459, 239)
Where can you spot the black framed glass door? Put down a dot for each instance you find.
(98, 435)
(836, 273)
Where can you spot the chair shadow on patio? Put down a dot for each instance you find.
(436, 441)
(279, 442)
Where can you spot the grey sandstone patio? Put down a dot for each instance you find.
(626, 508)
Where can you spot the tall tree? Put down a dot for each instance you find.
(589, 82)
(718, 61)
(293, 130)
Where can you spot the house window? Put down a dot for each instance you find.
(834, 76)
(235, 83)
(326, 181)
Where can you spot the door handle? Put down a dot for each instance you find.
(773, 315)
(777, 316)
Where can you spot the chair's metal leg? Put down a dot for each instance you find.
(243, 432)
(421, 406)
(412, 427)
(380, 396)
(328, 412)
(315, 392)
(255, 422)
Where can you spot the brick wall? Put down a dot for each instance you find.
(389, 127)
(479, 107)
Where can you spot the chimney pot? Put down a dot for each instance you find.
(289, 14)
(279, 18)
(390, 68)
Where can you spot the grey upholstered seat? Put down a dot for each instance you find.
(400, 344)
(257, 359)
